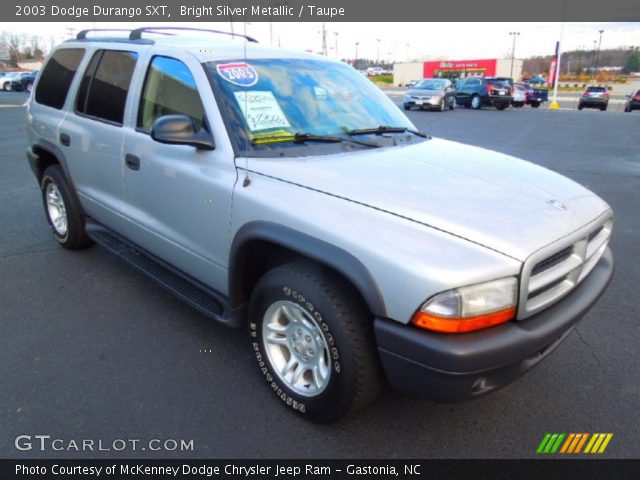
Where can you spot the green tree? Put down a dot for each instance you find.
(633, 61)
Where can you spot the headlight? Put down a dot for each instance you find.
(470, 308)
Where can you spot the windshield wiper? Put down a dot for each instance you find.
(309, 137)
(386, 129)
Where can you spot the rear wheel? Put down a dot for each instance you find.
(29, 86)
(580, 107)
(406, 107)
(63, 210)
(476, 103)
(535, 104)
(627, 109)
(603, 109)
(313, 341)
(452, 105)
(5, 86)
(501, 106)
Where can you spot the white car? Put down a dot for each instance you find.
(519, 95)
(5, 80)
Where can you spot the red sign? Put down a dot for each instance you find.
(483, 67)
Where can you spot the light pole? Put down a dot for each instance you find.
(336, 34)
(513, 50)
(356, 60)
(408, 53)
(378, 55)
(598, 52)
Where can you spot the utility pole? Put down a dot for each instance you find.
(356, 60)
(324, 39)
(513, 50)
(598, 52)
(378, 55)
(336, 44)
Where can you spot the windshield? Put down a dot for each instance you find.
(430, 85)
(277, 98)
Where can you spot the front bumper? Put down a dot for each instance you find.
(454, 367)
(433, 102)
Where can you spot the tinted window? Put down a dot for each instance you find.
(169, 89)
(596, 89)
(103, 94)
(57, 76)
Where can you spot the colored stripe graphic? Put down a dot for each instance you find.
(572, 443)
(550, 443)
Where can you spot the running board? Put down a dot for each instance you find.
(200, 297)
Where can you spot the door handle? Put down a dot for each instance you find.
(132, 161)
(65, 139)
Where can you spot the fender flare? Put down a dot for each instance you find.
(322, 252)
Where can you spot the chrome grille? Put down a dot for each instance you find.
(552, 272)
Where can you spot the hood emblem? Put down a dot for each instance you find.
(557, 204)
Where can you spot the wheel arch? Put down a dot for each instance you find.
(259, 246)
(42, 154)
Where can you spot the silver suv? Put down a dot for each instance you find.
(283, 192)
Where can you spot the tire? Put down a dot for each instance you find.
(535, 104)
(502, 106)
(476, 102)
(442, 106)
(5, 86)
(63, 210)
(406, 107)
(29, 86)
(331, 323)
(580, 107)
(627, 109)
(603, 109)
(452, 105)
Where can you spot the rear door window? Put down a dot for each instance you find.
(103, 92)
(57, 76)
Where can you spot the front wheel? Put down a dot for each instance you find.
(313, 341)
(501, 106)
(5, 86)
(406, 107)
(29, 87)
(535, 104)
(452, 105)
(476, 103)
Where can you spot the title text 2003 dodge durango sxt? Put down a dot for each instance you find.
(282, 191)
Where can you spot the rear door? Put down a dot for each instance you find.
(91, 135)
(178, 198)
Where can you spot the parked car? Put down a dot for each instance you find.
(354, 249)
(519, 95)
(5, 80)
(533, 96)
(371, 71)
(411, 83)
(431, 93)
(633, 101)
(23, 82)
(594, 97)
(478, 92)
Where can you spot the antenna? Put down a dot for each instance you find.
(247, 179)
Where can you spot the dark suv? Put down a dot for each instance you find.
(23, 82)
(594, 97)
(478, 92)
(633, 101)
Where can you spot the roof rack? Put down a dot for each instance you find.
(82, 35)
(137, 33)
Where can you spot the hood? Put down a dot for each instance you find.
(498, 201)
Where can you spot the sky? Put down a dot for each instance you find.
(400, 41)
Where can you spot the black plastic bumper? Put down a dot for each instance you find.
(454, 367)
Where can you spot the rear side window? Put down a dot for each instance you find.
(103, 92)
(57, 76)
(169, 89)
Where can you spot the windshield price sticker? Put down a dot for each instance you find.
(238, 73)
(261, 110)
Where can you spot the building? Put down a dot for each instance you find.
(403, 73)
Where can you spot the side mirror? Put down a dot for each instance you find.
(179, 130)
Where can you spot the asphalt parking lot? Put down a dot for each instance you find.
(90, 349)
